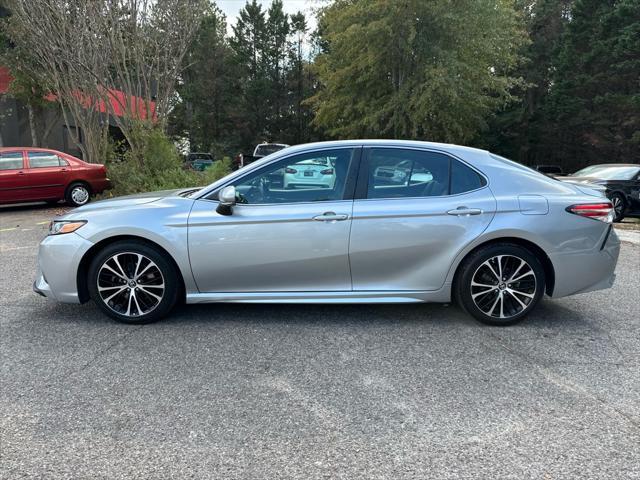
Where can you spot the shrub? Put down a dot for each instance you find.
(161, 168)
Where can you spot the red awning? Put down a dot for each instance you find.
(118, 99)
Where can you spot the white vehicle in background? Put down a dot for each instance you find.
(264, 149)
(394, 175)
(315, 173)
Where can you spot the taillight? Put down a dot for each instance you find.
(328, 171)
(597, 211)
(290, 170)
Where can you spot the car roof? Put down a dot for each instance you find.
(448, 147)
(34, 149)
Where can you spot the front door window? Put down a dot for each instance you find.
(319, 176)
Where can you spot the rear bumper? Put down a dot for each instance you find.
(586, 271)
(99, 186)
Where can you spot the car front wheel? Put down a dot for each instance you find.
(133, 282)
(500, 284)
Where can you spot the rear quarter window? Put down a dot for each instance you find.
(464, 179)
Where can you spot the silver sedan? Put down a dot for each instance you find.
(403, 222)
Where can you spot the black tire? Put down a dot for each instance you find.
(78, 194)
(516, 299)
(619, 206)
(138, 293)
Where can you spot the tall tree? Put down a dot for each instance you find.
(277, 33)
(429, 70)
(249, 46)
(97, 48)
(594, 106)
(519, 130)
(206, 111)
(299, 29)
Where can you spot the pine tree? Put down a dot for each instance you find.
(595, 99)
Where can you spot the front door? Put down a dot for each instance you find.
(414, 211)
(288, 232)
(13, 178)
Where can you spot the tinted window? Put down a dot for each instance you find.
(11, 161)
(464, 179)
(44, 159)
(397, 173)
(308, 177)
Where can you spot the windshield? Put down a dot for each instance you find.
(608, 172)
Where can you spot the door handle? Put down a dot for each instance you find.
(21, 173)
(330, 217)
(464, 211)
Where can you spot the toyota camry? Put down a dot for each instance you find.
(443, 223)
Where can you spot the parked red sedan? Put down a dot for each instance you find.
(39, 174)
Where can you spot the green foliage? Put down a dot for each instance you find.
(518, 131)
(413, 69)
(582, 101)
(162, 168)
(249, 87)
(594, 105)
(205, 114)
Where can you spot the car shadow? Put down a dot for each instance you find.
(549, 317)
(35, 206)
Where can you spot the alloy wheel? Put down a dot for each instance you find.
(130, 284)
(618, 206)
(503, 286)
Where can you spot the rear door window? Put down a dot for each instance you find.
(45, 159)
(398, 173)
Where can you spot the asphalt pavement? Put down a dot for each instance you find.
(315, 392)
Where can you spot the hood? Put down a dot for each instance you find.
(131, 200)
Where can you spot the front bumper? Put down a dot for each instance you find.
(59, 257)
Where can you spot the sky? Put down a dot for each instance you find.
(232, 7)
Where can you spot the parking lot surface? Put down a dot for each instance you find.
(257, 391)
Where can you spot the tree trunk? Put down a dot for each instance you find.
(32, 126)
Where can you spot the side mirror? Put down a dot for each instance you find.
(226, 200)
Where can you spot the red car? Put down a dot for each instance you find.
(39, 174)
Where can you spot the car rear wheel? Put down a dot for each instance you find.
(619, 207)
(500, 284)
(78, 194)
(133, 282)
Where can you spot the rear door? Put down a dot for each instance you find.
(48, 175)
(414, 211)
(13, 177)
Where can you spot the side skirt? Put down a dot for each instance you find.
(440, 296)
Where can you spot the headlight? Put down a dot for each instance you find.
(58, 227)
